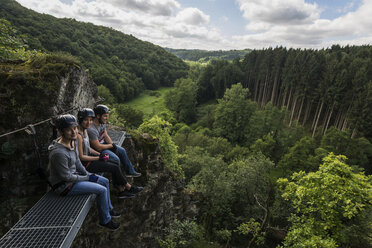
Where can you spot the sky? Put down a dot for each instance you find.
(225, 24)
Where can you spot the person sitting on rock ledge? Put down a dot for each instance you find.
(99, 162)
(101, 141)
(69, 177)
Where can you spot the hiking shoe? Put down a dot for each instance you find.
(114, 214)
(135, 174)
(125, 194)
(135, 189)
(111, 225)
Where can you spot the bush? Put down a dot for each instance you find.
(160, 129)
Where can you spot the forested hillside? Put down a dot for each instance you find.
(277, 149)
(320, 88)
(204, 55)
(122, 63)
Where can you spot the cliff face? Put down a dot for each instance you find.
(29, 93)
(144, 217)
(76, 90)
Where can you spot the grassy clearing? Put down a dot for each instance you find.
(150, 102)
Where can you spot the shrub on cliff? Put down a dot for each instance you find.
(160, 129)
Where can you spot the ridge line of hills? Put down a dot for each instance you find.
(123, 64)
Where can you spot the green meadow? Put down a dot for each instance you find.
(150, 102)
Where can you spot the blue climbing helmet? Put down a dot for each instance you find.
(65, 121)
(84, 113)
(101, 109)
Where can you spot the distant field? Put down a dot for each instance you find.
(150, 102)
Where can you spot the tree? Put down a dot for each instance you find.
(12, 46)
(133, 118)
(300, 156)
(233, 193)
(105, 93)
(358, 150)
(233, 113)
(182, 100)
(331, 206)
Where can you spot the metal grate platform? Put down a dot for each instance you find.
(54, 220)
(117, 137)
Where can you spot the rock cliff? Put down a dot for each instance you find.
(29, 93)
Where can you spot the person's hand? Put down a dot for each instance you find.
(93, 178)
(114, 148)
(103, 157)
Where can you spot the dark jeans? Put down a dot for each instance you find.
(122, 157)
(101, 166)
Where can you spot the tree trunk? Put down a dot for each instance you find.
(355, 131)
(264, 221)
(308, 107)
(329, 118)
(317, 119)
(262, 103)
(284, 97)
(315, 115)
(344, 125)
(274, 90)
(301, 106)
(338, 118)
(289, 98)
(256, 90)
(293, 110)
(325, 119)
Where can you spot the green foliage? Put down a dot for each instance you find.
(327, 203)
(133, 118)
(358, 150)
(182, 100)
(269, 120)
(229, 192)
(160, 129)
(215, 146)
(205, 115)
(194, 159)
(233, 113)
(204, 56)
(216, 77)
(254, 228)
(301, 156)
(12, 45)
(115, 118)
(182, 234)
(105, 93)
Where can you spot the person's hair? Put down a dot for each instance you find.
(101, 109)
(65, 121)
(84, 113)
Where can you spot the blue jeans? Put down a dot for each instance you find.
(102, 191)
(123, 158)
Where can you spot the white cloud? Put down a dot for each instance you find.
(153, 7)
(192, 16)
(302, 27)
(279, 12)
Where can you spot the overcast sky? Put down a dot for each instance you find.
(225, 24)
